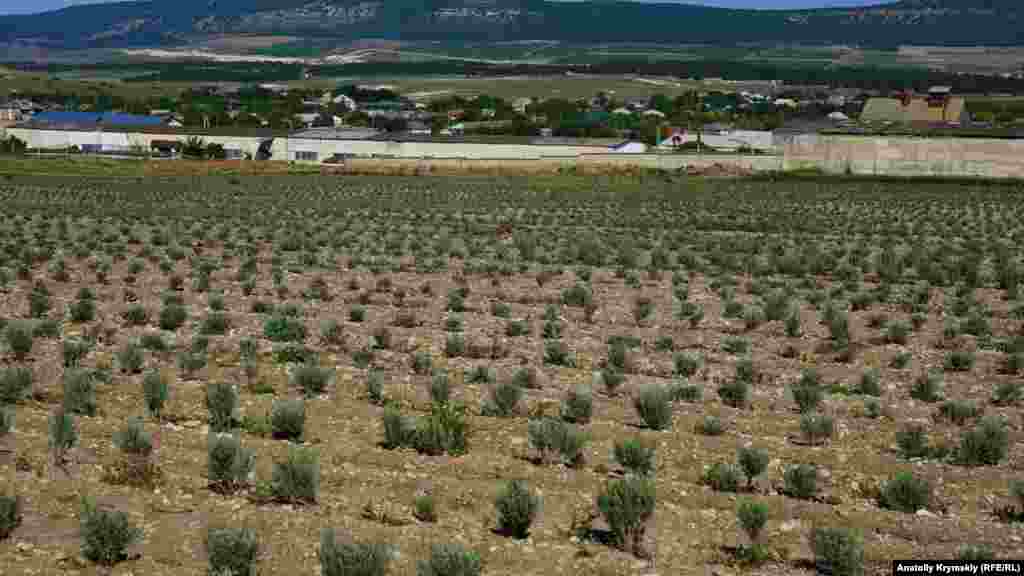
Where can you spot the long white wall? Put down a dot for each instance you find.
(367, 148)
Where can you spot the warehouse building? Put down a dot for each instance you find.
(309, 146)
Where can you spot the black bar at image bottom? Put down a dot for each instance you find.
(957, 567)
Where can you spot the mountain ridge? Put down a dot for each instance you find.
(145, 22)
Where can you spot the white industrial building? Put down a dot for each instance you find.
(313, 146)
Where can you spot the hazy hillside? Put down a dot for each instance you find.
(951, 22)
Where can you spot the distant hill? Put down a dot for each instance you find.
(925, 22)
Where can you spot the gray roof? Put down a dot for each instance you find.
(337, 133)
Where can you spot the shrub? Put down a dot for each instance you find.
(710, 426)
(231, 551)
(440, 388)
(735, 345)
(20, 336)
(10, 515)
(450, 560)
(578, 296)
(444, 431)
(296, 479)
(900, 360)
(896, 332)
(131, 358)
(1006, 393)
(172, 317)
(424, 508)
(975, 553)
(753, 461)
(752, 517)
(229, 464)
(106, 535)
(397, 430)
(682, 392)
(550, 436)
(153, 341)
(959, 361)
(349, 558)
(422, 363)
(133, 439)
(516, 328)
(816, 427)
(311, 378)
(578, 405)
(792, 324)
(905, 493)
(912, 442)
(331, 332)
(927, 388)
(288, 419)
(872, 408)
(480, 374)
(517, 507)
(282, 328)
(154, 392)
(82, 311)
(6, 420)
(63, 434)
(216, 323)
(634, 456)
(869, 383)
(626, 506)
(686, 365)
(189, 362)
(985, 445)
(503, 399)
(222, 404)
(840, 551)
(722, 477)
(453, 323)
(557, 353)
(611, 380)
(136, 315)
(735, 393)
(454, 346)
(79, 392)
(296, 353)
(654, 406)
(15, 384)
(959, 411)
(357, 313)
(375, 387)
(527, 377)
(801, 481)
(807, 393)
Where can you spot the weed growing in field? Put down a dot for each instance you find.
(735, 393)
(633, 455)
(15, 384)
(106, 534)
(722, 477)
(753, 461)
(20, 338)
(296, 479)
(752, 517)
(222, 404)
(627, 505)
(288, 419)
(346, 557)
(517, 507)
(233, 551)
(838, 550)
(801, 481)
(905, 493)
(578, 405)
(984, 445)
(653, 404)
(816, 427)
(10, 515)
(450, 560)
(311, 378)
(1008, 394)
(912, 442)
(549, 436)
(229, 464)
(79, 392)
(927, 388)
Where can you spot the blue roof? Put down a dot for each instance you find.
(96, 118)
